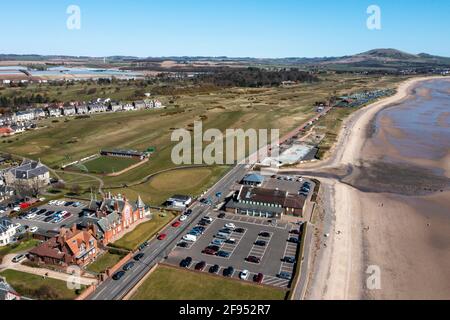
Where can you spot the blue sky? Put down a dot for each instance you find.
(235, 28)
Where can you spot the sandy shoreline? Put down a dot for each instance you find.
(387, 231)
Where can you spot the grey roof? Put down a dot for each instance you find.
(253, 207)
(105, 223)
(29, 170)
(5, 224)
(253, 178)
(5, 288)
(179, 197)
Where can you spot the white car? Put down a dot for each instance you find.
(31, 215)
(19, 258)
(16, 208)
(61, 203)
(41, 199)
(52, 202)
(244, 274)
(33, 229)
(183, 218)
(230, 226)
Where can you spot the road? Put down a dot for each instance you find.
(158, 250)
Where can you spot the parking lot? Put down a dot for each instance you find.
(244, 243)
(52, 216)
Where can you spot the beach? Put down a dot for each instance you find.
(390, 212)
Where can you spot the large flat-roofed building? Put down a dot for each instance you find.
(266, 203)
(253, 179)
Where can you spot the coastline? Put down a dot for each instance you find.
(378, 229)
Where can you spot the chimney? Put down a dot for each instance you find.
(74, 228)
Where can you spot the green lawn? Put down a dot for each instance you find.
(105, 165)
(167, 283)
(143, 232)
(104, 262)
(192, 181)
(36, 287)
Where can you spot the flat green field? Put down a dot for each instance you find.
(190, 181)
(143, 232)
(106, 165)
(36, 287)
(167, 283)
(104, 262)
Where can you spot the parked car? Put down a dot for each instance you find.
(183, 218)
(66, 215)
(230, 226)
(223, 254)
(295, 231)
(48, 219)
(209, 251)
(207, 219)
(185, 263)
(293, 240)
(128, 266)
(176, 224)
(188, 212)
(213, 247)
(221, 215)
(231, 241)
(243, 275)
(223, 236)
(289, 259)
(138, 257)
(18, 258)
(203, 223)
(118, 275)
(183, 244)
(239, 230)
(228, 272)
(264, 234)
(218, 242)
(200, 266)
(190, 238)
(227, 231)
(33, 229)
(162, 236)
(31, 216)
(49, 213)
(284, 275)
(253, 259)
(260, 243)
(258, 278)
(214, 269)
(34, 210)
(68, 204)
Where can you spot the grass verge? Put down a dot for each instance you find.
(168, 283)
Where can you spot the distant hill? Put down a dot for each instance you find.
(376, 59)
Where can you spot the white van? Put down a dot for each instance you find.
(190, 238)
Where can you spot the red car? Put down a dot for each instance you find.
(200, 266)
(162, 236)
(258, 278)
(176, 224)
(253, 259)
(209, 251)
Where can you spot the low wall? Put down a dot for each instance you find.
(86, 293)
(118, 265)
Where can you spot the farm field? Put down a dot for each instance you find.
(167, 283)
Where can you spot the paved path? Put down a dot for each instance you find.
(8, 264)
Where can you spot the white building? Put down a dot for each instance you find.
(7, 231)
(39, 114)
(115, 107)
(83, 109)
(23, 116)
(69, 111)
(128, 107)
(54, 112)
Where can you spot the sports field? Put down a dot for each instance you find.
(105, 165)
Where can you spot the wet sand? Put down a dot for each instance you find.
(392, 209)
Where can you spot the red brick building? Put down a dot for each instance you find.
(69, 247)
